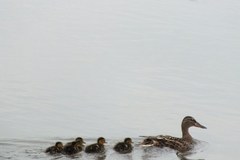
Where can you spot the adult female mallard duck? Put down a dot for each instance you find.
(181, 144)
(96, 147)
(57, 148)
(124, 147)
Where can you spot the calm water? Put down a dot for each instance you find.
(117, 69)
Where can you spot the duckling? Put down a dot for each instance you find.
(124, 147)
(180, 144)
(57, 148)
(73, 147)
(78, 139)
(96, 147)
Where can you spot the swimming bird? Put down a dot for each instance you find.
(78, 139)
(57, 148)
(73, 147)
(180, 144)
(124, 147)
(96, 147)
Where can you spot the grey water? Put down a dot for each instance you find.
(119, 69)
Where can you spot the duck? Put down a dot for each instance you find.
(96, 147)
(78, 139)
(57, 148)
(183, 144)
(74, 147)
(124, 147)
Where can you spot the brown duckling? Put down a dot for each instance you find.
(124, 147)
(180, 144)
(73, 147)
(78, 139)
(96, 147)
(57, 148)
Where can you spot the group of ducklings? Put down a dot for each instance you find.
(77, 146)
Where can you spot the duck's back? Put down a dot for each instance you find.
(122, 147)
(94, 148)
(169, 141)
(175, 143)
(72, 148)
(50, 149)
(53, 150)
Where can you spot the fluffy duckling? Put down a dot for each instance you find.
(96, 147)
(78, 139)
(124, 147)
(57, 148)
(73, 147)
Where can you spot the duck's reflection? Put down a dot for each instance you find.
(182, 156)
(127, 156)
(74, 156)
(150, 153)
(101, 156)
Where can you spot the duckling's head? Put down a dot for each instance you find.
(128, 140)
(101, 140)
(59, 144)
(189, 121)
(80, 140)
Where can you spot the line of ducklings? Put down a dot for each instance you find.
(183, 144)
(77, 146)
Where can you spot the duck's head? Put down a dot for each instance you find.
(80, 140)
(59, 144)
(189, 121)
(128, 140)
(101, 140)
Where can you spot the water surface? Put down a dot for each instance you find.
(118, 69)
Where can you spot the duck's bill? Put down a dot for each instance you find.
(199, 125)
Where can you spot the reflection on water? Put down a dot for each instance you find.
(100, 156)
(183, 156)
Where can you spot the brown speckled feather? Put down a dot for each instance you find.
(168, 141)
(175, 143)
